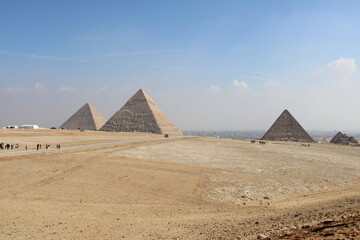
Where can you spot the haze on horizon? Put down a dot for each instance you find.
(209, 65)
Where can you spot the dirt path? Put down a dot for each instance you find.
(9, 153)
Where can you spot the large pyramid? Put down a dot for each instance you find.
(140, 114)
(86, 118)
(286, 128)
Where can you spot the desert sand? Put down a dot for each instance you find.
(176, 188)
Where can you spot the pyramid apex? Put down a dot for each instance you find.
(141, 91)
(286, 111)
(88, 105)
(141, 95)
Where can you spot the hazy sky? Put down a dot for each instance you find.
(209, 65)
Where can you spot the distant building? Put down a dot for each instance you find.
(29, 127)
(13, 127)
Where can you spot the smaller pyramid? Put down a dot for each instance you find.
(86, 118)
(343, 139)
(140, 114)
(286, 128)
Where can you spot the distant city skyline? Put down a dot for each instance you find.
(208, 65)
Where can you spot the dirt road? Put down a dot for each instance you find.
(10, 153)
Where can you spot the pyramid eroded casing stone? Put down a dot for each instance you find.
(286, 128)
(140, 114)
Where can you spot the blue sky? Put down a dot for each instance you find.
(209, 65)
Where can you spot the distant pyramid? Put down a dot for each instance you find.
(286, 128)
(140, 114)
(86, 118)
(337, 137)
(343, 139)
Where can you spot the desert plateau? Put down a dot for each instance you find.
(146, 186)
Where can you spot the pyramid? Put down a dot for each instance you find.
(86, 118)
(140, 114)
(343, 139)
(286, 128)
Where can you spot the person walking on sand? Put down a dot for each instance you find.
(25, 146)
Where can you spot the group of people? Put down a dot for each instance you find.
(38, 146)
(8, 146)
(47, 146)
(261, 142)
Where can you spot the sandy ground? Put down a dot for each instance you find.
(67, 138)
(183, 188)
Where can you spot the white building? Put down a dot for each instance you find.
(29, 127)
(13, 126)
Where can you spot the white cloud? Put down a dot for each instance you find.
(343, 64)
(66, 89)
(241, 85)
(39, 87)
(215, 89)
(104, 88)
(342, 72)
